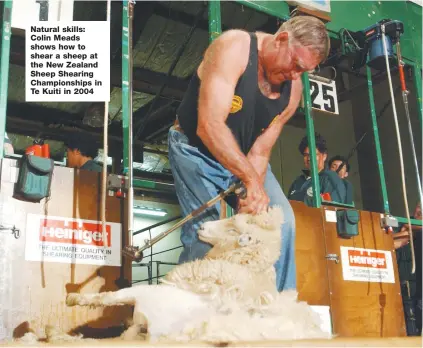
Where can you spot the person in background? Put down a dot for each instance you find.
(80, 153)
(301, 189)
(411, 284)
(334, 164)
(343, 173)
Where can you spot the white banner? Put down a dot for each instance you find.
(67, 62)
(67, 240)
(367, 265)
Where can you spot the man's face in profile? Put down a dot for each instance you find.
(72, 158)
(320, 157)
(343, 172)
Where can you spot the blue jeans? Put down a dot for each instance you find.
(199, 179)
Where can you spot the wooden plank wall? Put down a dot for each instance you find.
(358, 309)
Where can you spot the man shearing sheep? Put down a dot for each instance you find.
(244, 91)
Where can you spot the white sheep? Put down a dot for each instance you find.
(230, 295)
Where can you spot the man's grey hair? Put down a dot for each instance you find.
(308, 31)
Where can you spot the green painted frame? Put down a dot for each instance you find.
(6, 33)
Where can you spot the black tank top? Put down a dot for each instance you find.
(251, 112)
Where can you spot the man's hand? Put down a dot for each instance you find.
(256, 201)
(401, 238)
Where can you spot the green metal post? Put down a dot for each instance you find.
(418, 84)
(215, 29)
(6, 33)
(215, 23)
(278, 9)
(317, 199)
(126, 77)
(377, 142)
(127, 17)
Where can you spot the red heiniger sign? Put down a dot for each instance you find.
(372, 259)
(67, 240)
(367, 265)
(85, 233)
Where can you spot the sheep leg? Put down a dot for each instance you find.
(138, 329)
(110, 298)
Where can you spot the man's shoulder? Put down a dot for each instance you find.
(234, 40)
(234, 34)
(331, 175)
(92, 166)
(348, 184)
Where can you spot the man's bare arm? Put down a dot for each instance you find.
(223, 64)
(259, 154)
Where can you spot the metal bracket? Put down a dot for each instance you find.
(332, 257)
(388, 221)
(15, 231)
(117, 182)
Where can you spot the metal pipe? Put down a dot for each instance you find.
(405, 93)
(157, 225)
(131, 5)
(377, 142)
(404, 189)
(215, 29)
(127, 85)
(6, 31)
(215, 22)
(320, 78)
(105, 151)
(317, 200)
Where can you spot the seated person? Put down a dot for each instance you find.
(333, 165)
(301, 188)
(80, 153)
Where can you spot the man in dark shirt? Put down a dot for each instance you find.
(80, 153)
(343, 173)
(244, 91)
(302, 190)
(411, 284)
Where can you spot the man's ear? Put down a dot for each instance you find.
(325, 156)
(281, 37)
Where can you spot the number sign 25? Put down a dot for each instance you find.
(323, 96)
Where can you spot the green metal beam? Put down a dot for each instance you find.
(418, 84)
(279, 9)
(317, 199)
(415, 222)
(6, 32)
(377, 142)
(215, 20)
(126, 77)
(336, 204)
(215, 29)
(141, 183)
